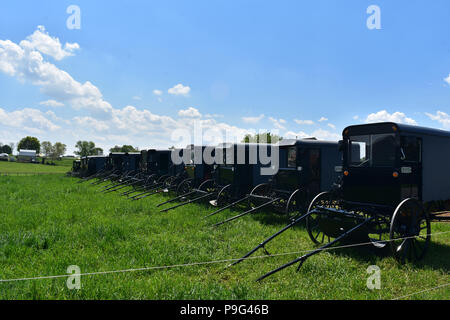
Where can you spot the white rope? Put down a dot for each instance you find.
(426, 290)
(204, 262)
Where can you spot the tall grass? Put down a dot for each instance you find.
(50, 222)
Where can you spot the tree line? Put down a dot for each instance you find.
(58, 149)
(88, 148)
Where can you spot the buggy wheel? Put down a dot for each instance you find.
(207, 184)
(224, 196)
(262, 190)
(169, 181)
(410, 231)
(324, 199)
(151, 179)
(294, 204)
(162, 178)
(184, 187)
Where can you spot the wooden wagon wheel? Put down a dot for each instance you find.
(184, 187)
(294, 204)
(324, 199)
(410, 231)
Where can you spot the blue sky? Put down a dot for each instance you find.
(239, 65)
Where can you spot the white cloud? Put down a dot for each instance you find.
(278, 123)
(355, 117)
(31, 120)
(51, 103)
(253, 120)
(26, 63)
(304, 122)
(383, 115)
(91, 123)
(179, 89)
(331, 125)
(96, 119)
(157, 92)
(447, 79)
(137, 98)
(42, 42)
(214, 115)
(441, 117)
(323, 119)
(190, 113)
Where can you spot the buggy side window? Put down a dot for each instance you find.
(411, 149)
(292, 157)
(383, 150)
(360, 151)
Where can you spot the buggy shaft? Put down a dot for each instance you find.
(318, 250)
(227, 206)
(246, 212)
(262, 244)
(188, 202)
(122, 186)
(146, 193)
(176, 198)
(149, 194)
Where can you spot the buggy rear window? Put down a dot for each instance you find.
(374, 150)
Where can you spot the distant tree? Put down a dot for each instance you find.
(47, 148)
(86, 148)
(53, 151)
(266, 137)
(29, 143)
(98, 151)
(124, 148)
(59, 149)
(6, 149)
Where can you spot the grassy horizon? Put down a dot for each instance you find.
(62, 166)
(50, 222)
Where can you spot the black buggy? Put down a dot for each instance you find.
(75, 170)
(158, 174)
(306, 167)
(391, 189)
(237, 170)
(92, 166)
(195, 171)
(119, 166)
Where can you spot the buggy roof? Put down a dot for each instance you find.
(228, 145)
(159, 150)
(305, 142)
(125, 153)
(394, 127)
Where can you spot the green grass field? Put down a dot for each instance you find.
(49, 222)
(31, 168)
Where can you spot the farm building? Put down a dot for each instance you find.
(27, 156)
